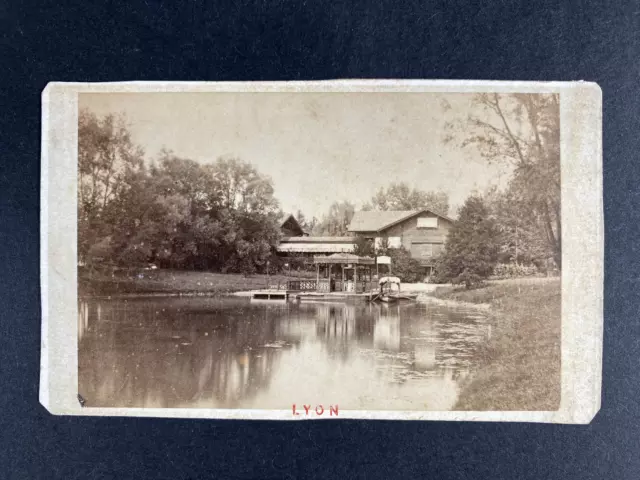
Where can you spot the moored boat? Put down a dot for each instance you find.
(387, 298)
(390, 291)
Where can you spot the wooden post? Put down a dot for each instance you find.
(344, 287)
(355, 278)
(317, 277)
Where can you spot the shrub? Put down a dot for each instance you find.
(512, 270)
(405, 267)
(437, 276)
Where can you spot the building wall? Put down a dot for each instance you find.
(423, 243)
(289, 232)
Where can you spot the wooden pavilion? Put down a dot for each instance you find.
(344, 272)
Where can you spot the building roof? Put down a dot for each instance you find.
(347, 240)
(316, 245)
(375, 221)
(344, 258)
(296, 247)
(288, 219)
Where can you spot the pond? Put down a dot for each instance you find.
(232, 352)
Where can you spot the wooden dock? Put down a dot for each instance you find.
(296, 295)
(269, 294)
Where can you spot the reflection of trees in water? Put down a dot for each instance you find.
(162, 354)
(223, 352)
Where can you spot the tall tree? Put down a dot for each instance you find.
(243, 188)
(337, 220)
(399, 196)
(519, 235)
(177, 212)
(307, 225)
(108, 165)
(524, 131)
(249, 213)
(472, 245)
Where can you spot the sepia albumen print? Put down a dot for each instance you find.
(319, 252)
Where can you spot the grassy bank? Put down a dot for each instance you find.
(520, 365)
(173, 281)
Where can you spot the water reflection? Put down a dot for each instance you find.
(232, 353)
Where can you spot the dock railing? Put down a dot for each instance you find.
(294, 285)
(312, 286)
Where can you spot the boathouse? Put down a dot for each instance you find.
(310, 246)
(297, 242)
(421, 232)
(344, 272)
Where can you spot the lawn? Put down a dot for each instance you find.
(520, 365)
(176, 281)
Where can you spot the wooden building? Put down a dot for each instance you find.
(315, 245)
(290, 227)
(344, 272)
(421, 232)
(296, 242)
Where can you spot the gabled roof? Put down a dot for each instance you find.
(286, 218)
(375, 221)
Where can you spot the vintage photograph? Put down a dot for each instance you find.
(319, 252)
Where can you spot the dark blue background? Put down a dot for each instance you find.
(284, 40)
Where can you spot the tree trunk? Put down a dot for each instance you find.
(553, 238)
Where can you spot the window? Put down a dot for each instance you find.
(428, 222)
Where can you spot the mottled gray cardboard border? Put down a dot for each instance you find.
(582, 242)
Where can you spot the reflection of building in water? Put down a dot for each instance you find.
(386, 331)
(224, 353)
(335, 328)
(412, 342)
(335, 320)
(343, 327)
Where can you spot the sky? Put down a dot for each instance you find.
(316, 147)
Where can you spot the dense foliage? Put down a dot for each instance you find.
(472, 246)
(514, 270)
(522, 131)
(336, 222)
(364, 247)
(399, 196)
(405, 267)
(176, 212)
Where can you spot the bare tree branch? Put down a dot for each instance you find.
(513, 138)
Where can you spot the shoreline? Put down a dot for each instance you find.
(520, 364)
(175, 283)
(432, 299)
(518, 367)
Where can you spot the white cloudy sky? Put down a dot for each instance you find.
(317, 147)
